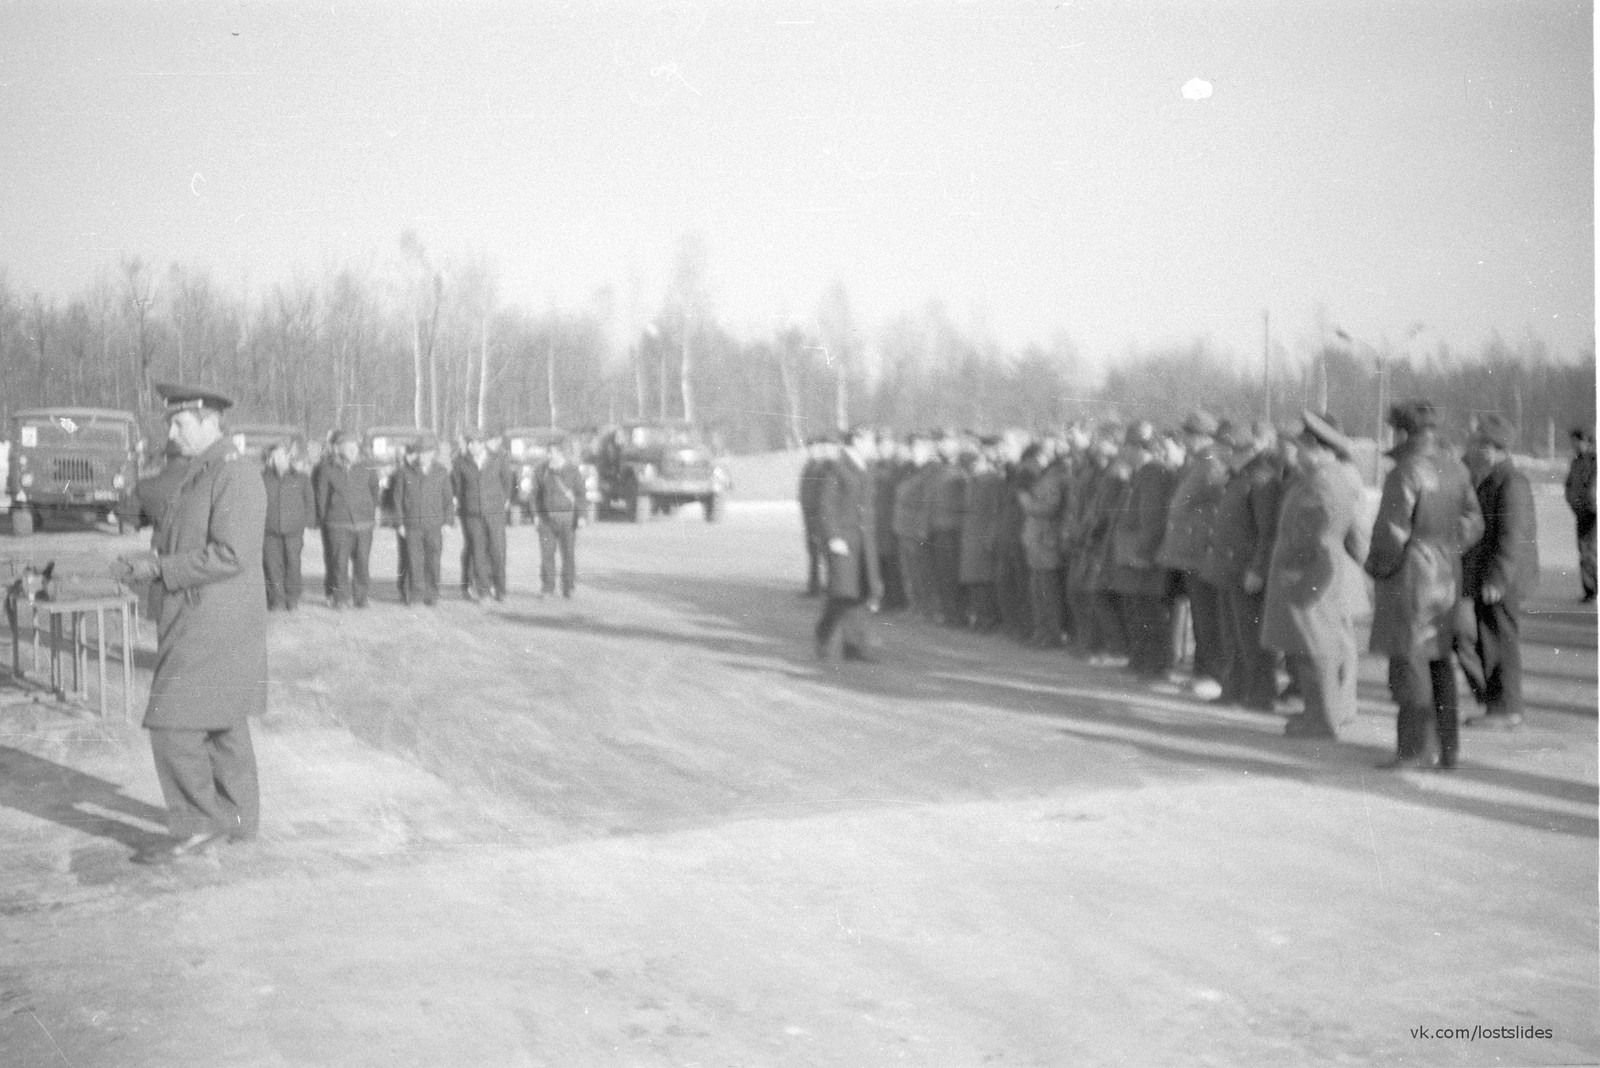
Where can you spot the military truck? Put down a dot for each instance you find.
(253, 440)
(71, 460)
(386, 446)
(651, 467)
(527, 451)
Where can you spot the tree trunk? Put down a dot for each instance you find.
(791, 401)
(416, 363)
(550, 378)
(683, 376)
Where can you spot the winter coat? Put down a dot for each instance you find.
(1314, 580)
(482, 491)
(1507, 556)
(291, 504)
(211, 652)
(979, 525)
(1193, 511)
(812, 475)
(422, 499)
(947, 496)
(1113, 496)
(348, 495)
(1428, 515)
(1579, 486)
(1041, 527)
(1247, 518)
(558, 493)
(848, 513)
(1137, 532)
(912, 505)
(886, 479)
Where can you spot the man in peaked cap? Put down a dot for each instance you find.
(211, 657)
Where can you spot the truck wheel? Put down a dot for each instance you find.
(21, 520)
(640, 509)
(713, 508)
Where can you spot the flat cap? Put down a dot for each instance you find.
(1234, 436)
(1495, 429)
(181, 398)
(1324, 431)
(1200, 421)
(1414, 415)
(1140, 434)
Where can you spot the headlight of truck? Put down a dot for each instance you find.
(649, 471)
(118, 482)
(719, 478)
(27, 479)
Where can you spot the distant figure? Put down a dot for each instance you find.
(1190, 517)
(347, 501)
(850, 529)
(1427, 517)
(291, 508)
(425, 506)
(1580, 498)
(812, 475)
(1500, 571)
(558, 495)
(211, 653)
(483, 486)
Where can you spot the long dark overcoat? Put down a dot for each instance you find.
(1508, 554)
(1137, 533)
(1193, 511)
(1314, 584)
(979, 524)
(1428, 515)
(211, 655)
(849, 512)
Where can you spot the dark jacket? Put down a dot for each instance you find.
(482, 491)
(886, 479)
(291, 504)
(1428, 516)
(1041, 524)
(848, 512)
(1137, 533)
(1247, 520)
(979, 523)
(558, 494)
(422, 499)
(812, 476)
(947, 496)
(1508, 554)
(1580, 485)
(211, 654)
(348, 495)
(1193, 511)
(913, 504)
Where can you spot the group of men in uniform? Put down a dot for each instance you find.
(1119, 542)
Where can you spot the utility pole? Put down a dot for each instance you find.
(1266, 362)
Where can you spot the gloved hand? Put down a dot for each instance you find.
(140, 567)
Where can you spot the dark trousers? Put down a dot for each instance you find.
(816, 554)
(1206, 617)
(280, 560)
(558, 535)
(1147, 622)
(1252, 674)
(327, 562)
(402, 554)
(1425, 690)
(352, 550)
(843, 615)
(424, 548)
(916, 570)
(486, 552)
(208, 778)
(947, 576)
(894, 587)
(1500, 652)
(1011, 590)
(1109, 610)
(980, 599)
(1586, 559)
(1044, 596)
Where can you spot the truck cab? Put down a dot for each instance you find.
(651, 467)
(71, 460)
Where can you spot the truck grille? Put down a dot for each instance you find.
(72, 469)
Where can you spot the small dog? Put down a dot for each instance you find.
(32, 586)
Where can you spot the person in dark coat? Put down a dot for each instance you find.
(1580, 498)
(1011, 559)
(978, 526)
(1314, 586)
(291, 509)
(890, 467)
(348, 506)
(211, 653)
(1427, 517)
(850, 527)
(947, 496)
(1500, 571)
(1041, 541)
(558, 495)
(912, 509)
(812, 475)
(1132, 581)
(424, 506)
(483, 487)
(1246, 521)
(1189, 522)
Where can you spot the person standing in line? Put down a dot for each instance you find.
(911, 510)
(1041, 531)
(291, 508)
(325, 458)
(1427, 518)
(812, 475)
(889, 469)
(1082, 537)
(1189, 521)
(424, 506)
(1134, 584)
(850, 527)
(947, 494)
(211, 653)
(558, 507)
(348, 505)
(1011, 559)
(1580, 498)
(979, 522)
(483, 488)
(1500, 571)
(1313, 582)
(1240, 559)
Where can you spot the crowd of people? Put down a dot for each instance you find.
(1122, 543)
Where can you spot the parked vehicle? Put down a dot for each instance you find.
(651, 467)
(385, 446)
(71, 460)
(253, 440)
(528, 449)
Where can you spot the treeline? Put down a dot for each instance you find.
(433, 342)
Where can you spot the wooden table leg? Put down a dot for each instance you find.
(80, 681)
(127, 660)
(100, 654)
(58, 674)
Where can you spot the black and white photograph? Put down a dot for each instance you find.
(757, 533)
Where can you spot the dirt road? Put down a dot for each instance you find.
(645, 827)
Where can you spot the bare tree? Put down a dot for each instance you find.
(690, 303)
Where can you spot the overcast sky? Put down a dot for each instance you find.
(1037, 166)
